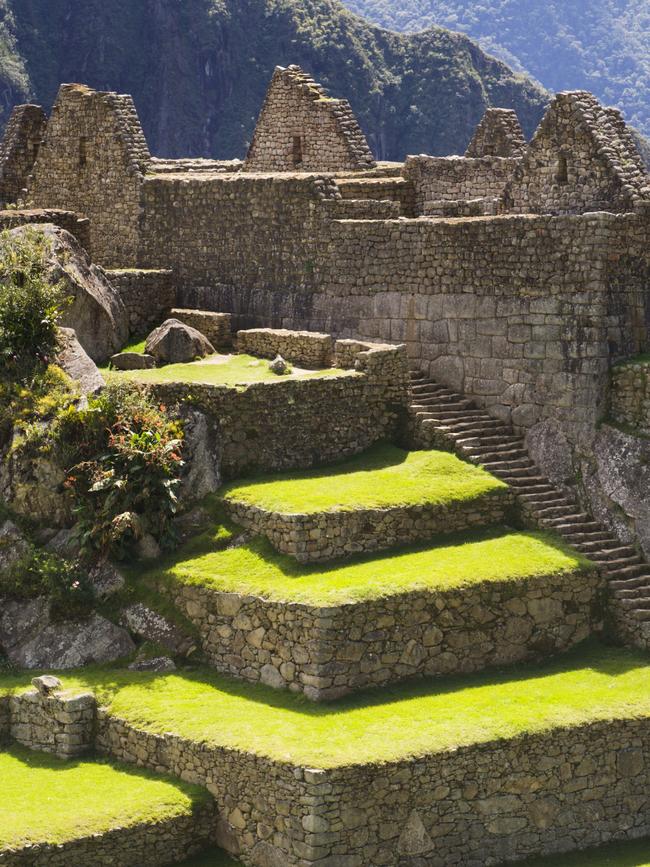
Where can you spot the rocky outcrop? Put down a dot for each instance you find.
(30, 639)
(13, 545)
(202, 449)
(96, 313)
(174, 342)
(76, 362)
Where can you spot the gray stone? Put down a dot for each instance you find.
(202, 454)
(151, 626)
(132, 361)
(414, 839)
(106, 579)
(159, 664)
(279, 366)
(75, 361)
(13, 545)
(46, 683)
(173, 342)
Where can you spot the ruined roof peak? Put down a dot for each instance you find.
(499, 134)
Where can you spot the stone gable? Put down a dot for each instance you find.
(19, 149)
(499, 134)
(301, 128)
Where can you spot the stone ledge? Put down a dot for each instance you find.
(326, 652)
(324, 536)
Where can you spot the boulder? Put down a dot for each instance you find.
(31, 640)
(106, 580)
(76, 362)
(46, 684)
(173, 343)
(202, 456)
(151, 626)
(159, 664)
(279, 366)
(96, 313)
(132, 361)
(13, 545)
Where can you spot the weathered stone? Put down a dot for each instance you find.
(132, 361)
(173, 342)
(74, 360)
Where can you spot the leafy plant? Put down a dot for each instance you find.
(40, 573)
(30, 305)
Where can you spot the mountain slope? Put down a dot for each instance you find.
(198, 69)
(601, 46)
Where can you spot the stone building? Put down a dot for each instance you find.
(518, 274)
(19, 149)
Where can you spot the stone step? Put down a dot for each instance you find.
(628, 583)
(633, 571)
(496, 456)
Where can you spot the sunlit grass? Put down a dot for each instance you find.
(634, 854)
(383, 476)
(412, 719)
(46, 800)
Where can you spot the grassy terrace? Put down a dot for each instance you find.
(634, 854)
(45, 800)
(592, 683)
(383, 476)
(228, 370)
(256, 569)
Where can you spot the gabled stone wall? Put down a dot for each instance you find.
(92, 161)
(301, 128)
(20, 145)
(499, 134)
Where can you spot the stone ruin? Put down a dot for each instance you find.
(20, 145)
(499, 134)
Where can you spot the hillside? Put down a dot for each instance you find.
(198, 70)
(565, 44)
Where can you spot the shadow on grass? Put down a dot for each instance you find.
(634, 853)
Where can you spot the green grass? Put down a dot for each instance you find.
(214, 858)
(383, 476)
(634, 854)
(45, 800)
(412, 719)
(256, 569)
(228, 370)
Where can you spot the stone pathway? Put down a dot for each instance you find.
(440, 417)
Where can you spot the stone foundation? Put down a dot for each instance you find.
(215, 326)
(59, 723)
(145, 845)
(630, 396)
(71, 222)
(327, 535)
(329, 651)
(306, 348)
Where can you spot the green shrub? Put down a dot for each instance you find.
(40, 573)
(30, 304)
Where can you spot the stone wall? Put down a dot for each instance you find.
(71, 222)
(298, 422)
(307, 348)
(20, 145)
(581, 159)
(5, 720)
(151, 844)
(217, 327)
(533, 794)
(630, 396)
(437, 179)
(147, 295)
(329, 651)
(499, 134)
(301, 128)
(92, 161)
(321, 536)
(60, 723)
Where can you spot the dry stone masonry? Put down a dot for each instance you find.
(20, 145)
(630, 398)
(299, 347)
(215, 326)
(499, 134)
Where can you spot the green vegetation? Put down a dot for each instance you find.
(255, 568)
(46, 800)
(383, 476)
(40, 573)
(592, 683)
(412, 94)
(219, 370)
(604, 51)
(623, 854)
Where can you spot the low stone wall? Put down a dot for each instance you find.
(307, 348)
(60, 723)
(457, 179)
(68, 220)
(472, 806)
(323, 536)
(215, 326)
(630, 395)
(299, 422)
(330, 651)
(4, 719)
(145, 845)
(148, 296)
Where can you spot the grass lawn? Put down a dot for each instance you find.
(256, 569)
(411, 719)
(45, 800)
(228, 370)
(383, 476)
(634, 854)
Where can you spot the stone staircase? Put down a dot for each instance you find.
(441, 417)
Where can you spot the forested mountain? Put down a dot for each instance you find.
(598, 45)
(198, 69)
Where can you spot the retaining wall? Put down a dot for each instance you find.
(630, 396)
(435, 179)
(329, 651)
(148, 296)
(306, 348)
(59, 723)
